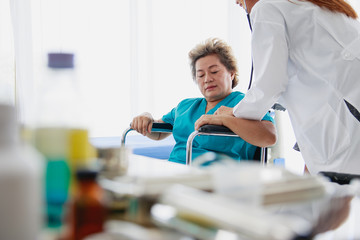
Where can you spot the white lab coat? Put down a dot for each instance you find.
(308, 60)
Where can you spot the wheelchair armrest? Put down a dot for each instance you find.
(340, 178)
(161, 127)
(156, 127)
(219, 129)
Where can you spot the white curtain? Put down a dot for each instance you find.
(23, 41)
(7, 58)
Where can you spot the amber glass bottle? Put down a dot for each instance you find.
(87, 210)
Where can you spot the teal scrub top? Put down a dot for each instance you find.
(183, 118)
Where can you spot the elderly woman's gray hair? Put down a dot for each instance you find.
(215, 46)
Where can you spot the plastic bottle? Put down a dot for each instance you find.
(87, 211)
(20, 182)
(59, 100)
(58, 113)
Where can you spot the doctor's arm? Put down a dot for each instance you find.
(258, 133)
(270, 58)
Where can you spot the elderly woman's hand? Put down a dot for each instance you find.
(143, 123)
(209, 119)
(224, 111)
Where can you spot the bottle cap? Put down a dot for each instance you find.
(60, 60)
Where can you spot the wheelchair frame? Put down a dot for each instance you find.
(209, 130)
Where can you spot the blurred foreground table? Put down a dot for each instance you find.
(149, 176)
(149, 168)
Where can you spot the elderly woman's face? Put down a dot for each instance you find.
(213, 79)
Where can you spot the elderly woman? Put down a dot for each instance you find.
(214, 69)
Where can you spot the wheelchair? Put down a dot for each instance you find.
(209, 130)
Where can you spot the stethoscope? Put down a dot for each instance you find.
(247, 14)
(252, 63)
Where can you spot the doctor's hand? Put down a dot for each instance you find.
(209, 119)
(143, 123)
(224, 111)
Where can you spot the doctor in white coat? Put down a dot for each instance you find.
(306, 56)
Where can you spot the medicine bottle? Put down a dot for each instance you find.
(87, 211)
(57, 111)
(20, 182)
